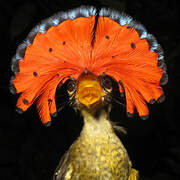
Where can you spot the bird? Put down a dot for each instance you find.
(97, 153)
(91, 48)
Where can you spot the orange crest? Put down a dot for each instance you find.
(103, 41)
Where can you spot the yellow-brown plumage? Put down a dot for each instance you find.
(97, 153)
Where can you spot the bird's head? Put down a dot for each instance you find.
(90, 92)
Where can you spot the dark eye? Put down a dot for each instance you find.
(71, 87)
(106, 83)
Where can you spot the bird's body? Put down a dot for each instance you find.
(97, 153)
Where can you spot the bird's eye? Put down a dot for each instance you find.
(106, 83)
(71, 87)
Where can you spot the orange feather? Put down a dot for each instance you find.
(65, 50)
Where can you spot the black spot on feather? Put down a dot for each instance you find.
(152, 101)
(35, 74)
(49, 100)
(144, 117)
(11, 86)
(133, 45)
(25, 101)
(47, 124)
(161, 98)
(129, 114)
(54, 114)
(19, 110)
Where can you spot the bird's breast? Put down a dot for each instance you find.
(99, 158)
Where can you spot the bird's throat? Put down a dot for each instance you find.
(96, 124)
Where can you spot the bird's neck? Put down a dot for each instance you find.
(96, 124)
(98, 152)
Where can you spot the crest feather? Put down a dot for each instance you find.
(61, 47)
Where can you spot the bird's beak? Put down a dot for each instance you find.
(89, 91)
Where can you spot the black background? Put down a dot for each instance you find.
(30, 151)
